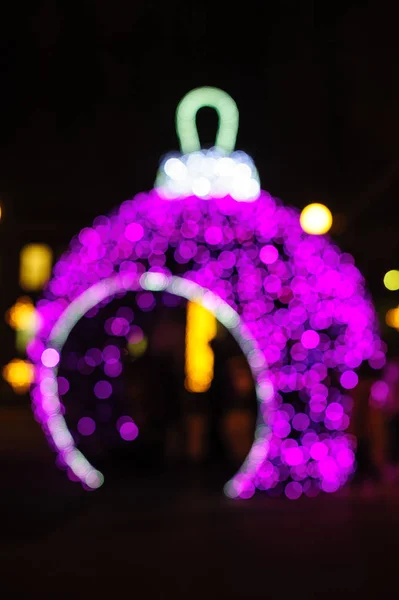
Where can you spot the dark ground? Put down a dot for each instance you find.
(177, 536)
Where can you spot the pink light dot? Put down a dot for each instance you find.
(268, 255)
(63, 385)
(328, 468)
(135, 335)
(146, 301)
(281, 428)
(86, 426)
(213, 235)
(334, 411)
(103, 389)
(330, 485)
(93, 357)
(293, 490)
(349, 380)
(345, 458)
(128, 431)
(134, 232)
(50, 358)
(318, 451)
(380, 391)
(35, 349)
(113, 369)
(293, 456)
(378, 360)
(227, 259)
(310, 339)
(89, 237)
(111, 354)
(300, 422)
(247, 491)
(272, 284)
(187, 250)
(119, 326)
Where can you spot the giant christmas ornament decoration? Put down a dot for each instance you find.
(296, 305)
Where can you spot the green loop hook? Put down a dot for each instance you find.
(186, 112)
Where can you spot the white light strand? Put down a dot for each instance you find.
(209, 174)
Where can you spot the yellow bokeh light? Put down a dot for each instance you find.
(138, 348)
(392, 318)
(19, 374)
(201, 328)
(35, 266)
(391, 280)
(316, 219)
(22, 316)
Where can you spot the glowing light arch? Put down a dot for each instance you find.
(107, 289)
(302, 301)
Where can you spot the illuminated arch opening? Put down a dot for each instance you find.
(51, 407)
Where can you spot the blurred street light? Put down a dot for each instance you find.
(35, 266)
(391, 280)
(200, 330)
(316, 219)
(392, 318)
(19, 374)
(22, 317)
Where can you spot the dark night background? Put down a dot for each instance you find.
(87, 101)
(89, 92)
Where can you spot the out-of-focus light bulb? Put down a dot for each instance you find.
(201, 186)
(392, 318)
(35, 266)
(391, 280)
(22, 315)
(19, 374)
(316, 219)
(137, 348)
(200, 330)
(175, 169)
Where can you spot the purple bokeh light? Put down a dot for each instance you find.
(268, 254)
(349, 380)
(50, 358)
(310, 339)
(379, 393)
(103, 389)
(111, 354)
(86, 426)
(128, 431)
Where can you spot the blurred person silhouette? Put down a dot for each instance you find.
(368, 425)
(147, 404)
(167, 353)
(220, 422)
(239, 417)
(233, 408)
(153, 392)
(387, 395)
